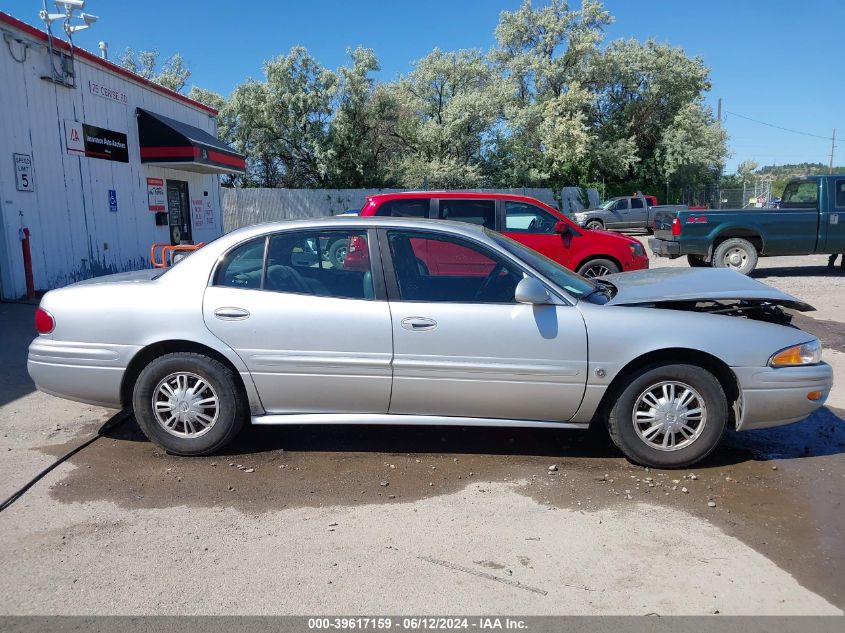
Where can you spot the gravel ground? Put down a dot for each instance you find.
(298, 521)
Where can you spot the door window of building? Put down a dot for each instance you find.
(179, 212)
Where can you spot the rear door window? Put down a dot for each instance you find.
(480, 212)
(801, 195)
(405, 208)
(636, 203)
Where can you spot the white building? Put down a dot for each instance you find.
(97, 164)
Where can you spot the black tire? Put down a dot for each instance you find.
(594, 225)
(738, 250)
(697, 261)
(231, 411)
(597, 268)
(337, 252)
(622, 429)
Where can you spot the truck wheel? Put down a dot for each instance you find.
(597, 268)
(189, 404)
(669, 416)
(737, 254)
(337, 252)
(595, 225)
(696, 261)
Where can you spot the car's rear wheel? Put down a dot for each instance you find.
(737, 254)
(595, 225)
(189, 404)
(597, 268)
(669, 416)
(696, 261)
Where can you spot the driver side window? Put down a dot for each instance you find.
(521, 217)
(440, 268)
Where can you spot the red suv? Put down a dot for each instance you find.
(526, 220)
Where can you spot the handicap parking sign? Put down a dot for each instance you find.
(112, 200)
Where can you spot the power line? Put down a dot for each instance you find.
(785, 129)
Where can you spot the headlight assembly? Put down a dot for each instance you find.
(805, 354)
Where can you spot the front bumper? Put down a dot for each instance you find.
(771, 397)
(664, 248)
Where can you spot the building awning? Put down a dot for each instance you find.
(169, 143)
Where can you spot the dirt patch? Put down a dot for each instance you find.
(831, 333)
(779, 490)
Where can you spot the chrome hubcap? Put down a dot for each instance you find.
(596, 271)
(669, 416)
(736, 258)
(185, 405)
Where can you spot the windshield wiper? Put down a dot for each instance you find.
(602, 287)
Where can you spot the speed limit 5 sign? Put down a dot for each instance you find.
(23, 172)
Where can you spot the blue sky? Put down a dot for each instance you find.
(776, 61)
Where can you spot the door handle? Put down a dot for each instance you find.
(231, 314)
(419, 324)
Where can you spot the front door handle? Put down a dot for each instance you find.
(419, 324)
(231, 314)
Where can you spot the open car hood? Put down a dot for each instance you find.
(671, 285)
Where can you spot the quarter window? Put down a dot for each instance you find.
(440, 268)
(521, 217)
(405, 208)
(480, 212)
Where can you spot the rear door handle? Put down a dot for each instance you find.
(231, 314)
(419, 324)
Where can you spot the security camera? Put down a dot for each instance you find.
(89, 19)
(67, 5)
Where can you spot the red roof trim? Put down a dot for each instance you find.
(111, 67)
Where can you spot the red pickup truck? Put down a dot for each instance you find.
(524, 219)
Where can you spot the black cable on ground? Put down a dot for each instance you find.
(113, 422)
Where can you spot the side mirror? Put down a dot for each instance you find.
(561, 227)
(532, 291)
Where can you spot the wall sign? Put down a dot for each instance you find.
(113, 200)
(209, 212)
(23, 172)
(95, 142)
(197, 210)
(107, 93)
(155, 195)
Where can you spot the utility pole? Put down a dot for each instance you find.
(832, 146)
(719, 111)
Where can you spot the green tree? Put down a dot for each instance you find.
(439, 117)
(173, 73)
(691, 150)
(209, 98)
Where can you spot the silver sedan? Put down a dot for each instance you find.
(424, 322)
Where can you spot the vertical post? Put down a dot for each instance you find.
(832, 146)
(27, 263)
(719, 111)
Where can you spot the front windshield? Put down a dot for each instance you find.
(573, 283)
(608, 203)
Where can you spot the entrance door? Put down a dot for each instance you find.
(179, 212)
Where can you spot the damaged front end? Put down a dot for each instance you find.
(756, 310)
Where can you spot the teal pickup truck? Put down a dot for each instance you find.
(811, 219)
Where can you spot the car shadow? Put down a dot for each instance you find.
(16, 333)
(821, 434)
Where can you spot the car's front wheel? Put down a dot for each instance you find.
(595, 225)
(597, 268)
(189, 404)
(669, 416)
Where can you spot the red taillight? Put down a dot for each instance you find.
(44, 321)
(676, 226)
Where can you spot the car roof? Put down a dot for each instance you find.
(485, 195)
(356, 221)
